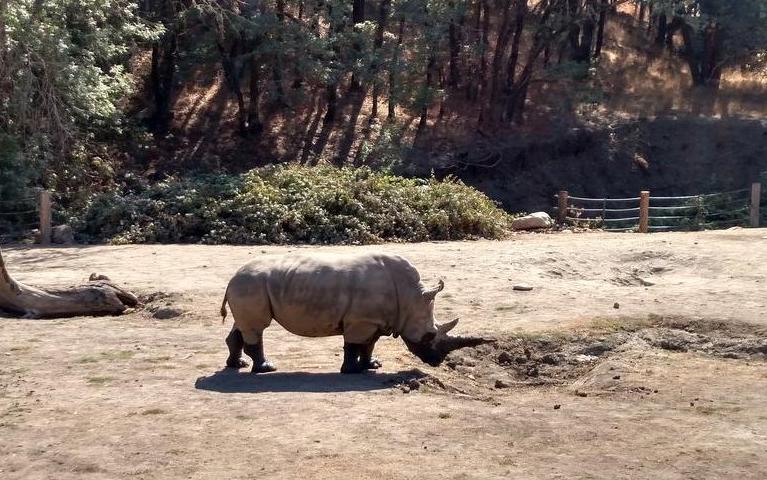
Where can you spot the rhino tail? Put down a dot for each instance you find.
(223, 305)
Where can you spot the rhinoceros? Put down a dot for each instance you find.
(362, 297)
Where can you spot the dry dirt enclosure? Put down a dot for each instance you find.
(672, 384)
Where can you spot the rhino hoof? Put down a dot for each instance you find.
(236, 363)
(264, 367)
(374, 364)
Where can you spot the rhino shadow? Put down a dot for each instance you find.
(232, 381)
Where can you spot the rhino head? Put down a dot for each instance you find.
(430, 341)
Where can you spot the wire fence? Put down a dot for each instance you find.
(19, 217)
(693, 212)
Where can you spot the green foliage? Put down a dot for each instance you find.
(287, 204)
(62, 78)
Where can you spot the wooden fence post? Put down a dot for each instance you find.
(45, 217)
(562, 211)
(644, 211)
(756, 199)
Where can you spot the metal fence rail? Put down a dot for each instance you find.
(651, 214)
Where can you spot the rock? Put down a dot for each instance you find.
(533, 221)
(414, 384)
(617, 377)
(165, 313)
(596, 349)
(501, 384)
(532, 372)
(522, 288)
(581, 394)
(616, 305)
(672, 339)
(584, 358)
(557, 406)
(552, 359)
(95, 277)
(504, 358)
(62, 234)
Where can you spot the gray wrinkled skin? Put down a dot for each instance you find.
(361, 297)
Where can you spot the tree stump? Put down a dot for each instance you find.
(98, 297)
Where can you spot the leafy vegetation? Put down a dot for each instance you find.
(63, 74)
(93, 90)
(288, 204)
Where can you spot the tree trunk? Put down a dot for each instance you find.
(393, 72)
(601, 28)
(162, 71)
(358, 16)
(660, 37)
(705, 67)
(98, 297)
(254, 114)
(583, 52)
(711, 67)
(429, 82)
(3, 36)
(454, 41)
(519, 27)
(501, 43)
(383, 17)
(484, 44)
(232, 77)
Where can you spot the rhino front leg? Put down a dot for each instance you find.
(367, 360)
(235, 343)
(256, 352)
(352, 358)
(358, 357)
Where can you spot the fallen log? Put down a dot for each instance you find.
(98, 297)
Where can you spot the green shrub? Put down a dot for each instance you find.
(292, 204)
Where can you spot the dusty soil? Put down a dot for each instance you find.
(671, 384)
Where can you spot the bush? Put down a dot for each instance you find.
(292, 204)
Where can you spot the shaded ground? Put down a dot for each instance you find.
(139, 397)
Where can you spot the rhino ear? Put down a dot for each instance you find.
(443, 329)
(432, 292)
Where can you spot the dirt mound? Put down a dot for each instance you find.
(570, 357)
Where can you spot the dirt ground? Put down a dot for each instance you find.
(634, 356)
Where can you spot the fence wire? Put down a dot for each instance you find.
(19, 217)
(689, 212)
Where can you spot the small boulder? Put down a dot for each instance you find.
(501, 384)
(62, 234)
(532, 222)
(505, 358)
(166, 313)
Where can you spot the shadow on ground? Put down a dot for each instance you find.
(232, 381)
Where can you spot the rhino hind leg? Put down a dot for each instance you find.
(256, 352)
(235, 342)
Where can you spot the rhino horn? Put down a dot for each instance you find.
(446, 327)
(432, 292)
(447, 344)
